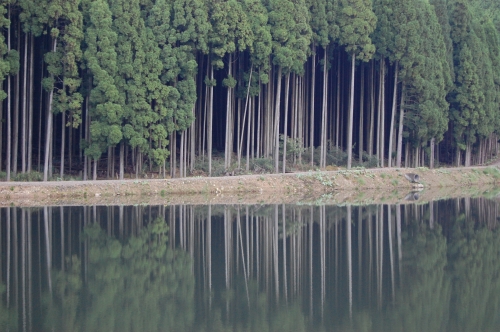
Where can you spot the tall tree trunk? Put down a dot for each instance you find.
(9, 117)
(285, 126)
(431, 159)
(210, 121)
(361, 115)
(311, 123)
(63, 141)
(324, 108)
(393, 113)
(372, 109)
(24, 106)
(400, 129)
(48, 136)
(122, 159)
(351, 114)
(30, 116)
(277, 123)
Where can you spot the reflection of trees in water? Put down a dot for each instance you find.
(139, 284)
(423, 299)
(8, 316)
(357, 268)
(260, 314)
(474, 251)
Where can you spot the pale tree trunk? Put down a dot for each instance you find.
(63, 141)
(361, 115)
(372, 110)
(48, 136)
(393, 113)
(277, 123)
(94, 174)
(210, 121)
(468, 154)
(122, 159)
(30, 117)
(351, 114)
(382, 112)
(285, 126)
(431, 159)
(192, 133)
(24, 106)
(337, 123)
(229, 118)
(400, 129)
(9, 112)
(324, 107)
(242, 131)
(313, 84)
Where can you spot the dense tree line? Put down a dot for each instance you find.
(129, 87)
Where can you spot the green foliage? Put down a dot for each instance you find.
(158, 281)
(357, 22)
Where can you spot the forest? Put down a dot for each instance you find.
(134, 88)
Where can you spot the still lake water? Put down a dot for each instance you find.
(411, 267)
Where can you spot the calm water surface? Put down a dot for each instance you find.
(411, 267)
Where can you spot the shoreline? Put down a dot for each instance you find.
(340, 186)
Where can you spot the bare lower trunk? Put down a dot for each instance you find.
(277, 123)
(351, 114)
(400, 129)
(311, 133)
(48, 136)
(393, 113)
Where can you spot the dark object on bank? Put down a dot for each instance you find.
(412, 177)
(413, 196)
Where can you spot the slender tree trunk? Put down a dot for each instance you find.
(9, 112)
(431, 159)
(400, 129)
(30, 117)
(361, 115)
(393, 113)
(63, 141)
(372, 109)
(210, 121)
(382, 112)
(324, 108)
(285, 126)
(24, 106)
(313, 84)
(48, 136)
(241, 134)
(277, 123)
(351, 114)
(122, 159)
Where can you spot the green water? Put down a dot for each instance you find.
(412, 267)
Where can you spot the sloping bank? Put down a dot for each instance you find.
(341, 186)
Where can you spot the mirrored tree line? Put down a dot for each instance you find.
(116, 89)
(377, 267)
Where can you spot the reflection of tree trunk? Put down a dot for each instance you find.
(398, 225)
(23, 267)
(209, 252)
(322, 255)
(275, 251)
(30, 269)
(285, 291)
(15, 245)
(243, 256)
(389, 223)
(47, 246)
(311, 224)
(360, 251)
(349, 256)
(8, 256)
